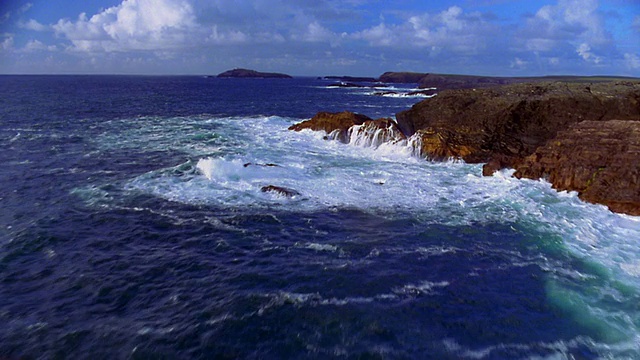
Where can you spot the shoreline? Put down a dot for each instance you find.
(582, 137)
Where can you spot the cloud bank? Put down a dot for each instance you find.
(315, 37)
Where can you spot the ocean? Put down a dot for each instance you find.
(133, 226)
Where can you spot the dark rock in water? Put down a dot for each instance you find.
(598, 159)
(246, 73)
(499, 162)
(280, 190)
(263, 165)
(337, 123)
(383, 93)
(429, 92)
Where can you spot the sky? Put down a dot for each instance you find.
(321, 37)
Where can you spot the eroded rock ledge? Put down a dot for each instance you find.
(581, 137)
(599, 159)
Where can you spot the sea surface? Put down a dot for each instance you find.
(130, 228)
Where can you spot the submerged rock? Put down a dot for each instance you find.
(598, 159)
(280, 190)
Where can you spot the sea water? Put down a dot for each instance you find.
(134, 225)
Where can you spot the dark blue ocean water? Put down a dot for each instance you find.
(129, 228)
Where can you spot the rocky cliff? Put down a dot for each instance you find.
(511, 122)
(580, 136)
(598, 159)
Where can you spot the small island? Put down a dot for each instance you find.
(246, 73)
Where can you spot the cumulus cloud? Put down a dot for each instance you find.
(132, 25)
(573, 24)
(451, 29)
(632, 61)
(37, 45)
(7, 43)
(33, 25)
(518, 63)
(314, 32)
(584, 50)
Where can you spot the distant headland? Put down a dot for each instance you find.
(246, 73)
(454, 81)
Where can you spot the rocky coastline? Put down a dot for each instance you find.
(579, 136)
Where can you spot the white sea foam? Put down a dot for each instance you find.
(387, 178)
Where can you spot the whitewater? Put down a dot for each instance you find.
(138, 232)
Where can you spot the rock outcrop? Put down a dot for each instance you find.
(246, 73)
(345, 126)
(598, 159)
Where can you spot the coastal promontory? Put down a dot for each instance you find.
(246, 73)
(582, 137)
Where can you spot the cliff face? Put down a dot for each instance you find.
(511, 122)
(599, 159)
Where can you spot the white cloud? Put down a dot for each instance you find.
(7, 43)
(379, 35)
(314, 32)
(36, 45)
(232, 37)
(569, 23)
(132, 25)
(24, 8)
(632, 61)
(451, 29)
(584, 50)
(33, 25)
(518, 63)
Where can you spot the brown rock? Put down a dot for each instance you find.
(340, 126)
(598, 159)
(332, 123)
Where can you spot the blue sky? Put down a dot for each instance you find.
(321, 37)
